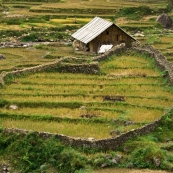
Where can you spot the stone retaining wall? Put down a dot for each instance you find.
(159, 58)
(5, 168)
(115, 50)
(59, 65)
(103, 144)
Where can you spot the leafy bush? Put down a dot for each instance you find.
(143, 157)
(71, 161)
(31, 152)
(135, 12)
(30, 37)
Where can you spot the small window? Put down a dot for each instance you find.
(107, 32)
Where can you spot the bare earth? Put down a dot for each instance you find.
(129, 171)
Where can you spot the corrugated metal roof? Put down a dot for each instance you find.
(91, 30)
(94, 28)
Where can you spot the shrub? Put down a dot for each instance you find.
(143, 157)
(135, 12)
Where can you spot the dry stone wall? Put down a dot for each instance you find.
(60, 66)
(104, 144)
(159, 58)
(115, 50)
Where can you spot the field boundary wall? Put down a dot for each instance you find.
(114, 142)
(59, 65)
(103, 144)
(160, 60)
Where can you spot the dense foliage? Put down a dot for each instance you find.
(33, 153)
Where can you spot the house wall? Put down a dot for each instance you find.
(113, 35)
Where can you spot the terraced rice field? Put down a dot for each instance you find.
(19, 58)
(75, 104)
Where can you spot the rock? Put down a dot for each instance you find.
(139, 35)
(25, 45)
(91, 139)
(130, 165)
(104, 165)
(13, 107)
(127, 123)
(156, 161)
(165, 20)
(116, 159)
(82, 108)
(108, 156)
(2, 57)
(51, 40)
(20, 171)
(39, 39)
(43, 168)
(115, 132)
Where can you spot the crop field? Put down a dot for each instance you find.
(129, 92)
(19, 58)
(74, 104)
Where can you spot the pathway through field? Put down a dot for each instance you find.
(129, 171)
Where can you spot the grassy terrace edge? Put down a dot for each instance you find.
(160, 62)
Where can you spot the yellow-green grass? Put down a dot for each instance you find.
(146, 97)
(67, 78)
(166, 39)
(135, 114)
(65, 89)
(83, 130)
(62, 112)
(10, 27)
(23, 57)
(128, 62)
(37, 25)
(100, 4)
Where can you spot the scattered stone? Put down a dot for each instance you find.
(115, 132)
(91, 139)
(39, 39)
(139, 34)
(117, 158)
(125, 149)
(13, 107)
(88, 116)
(43, 168)
(108, 156)
(127, 123)
(114, 161)
(82, 108)
(156, 161)
(130, 165)
(2, 57)
(113, 98)
(5, 168)
(165, 20)
(104, 165)
(5, 12)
